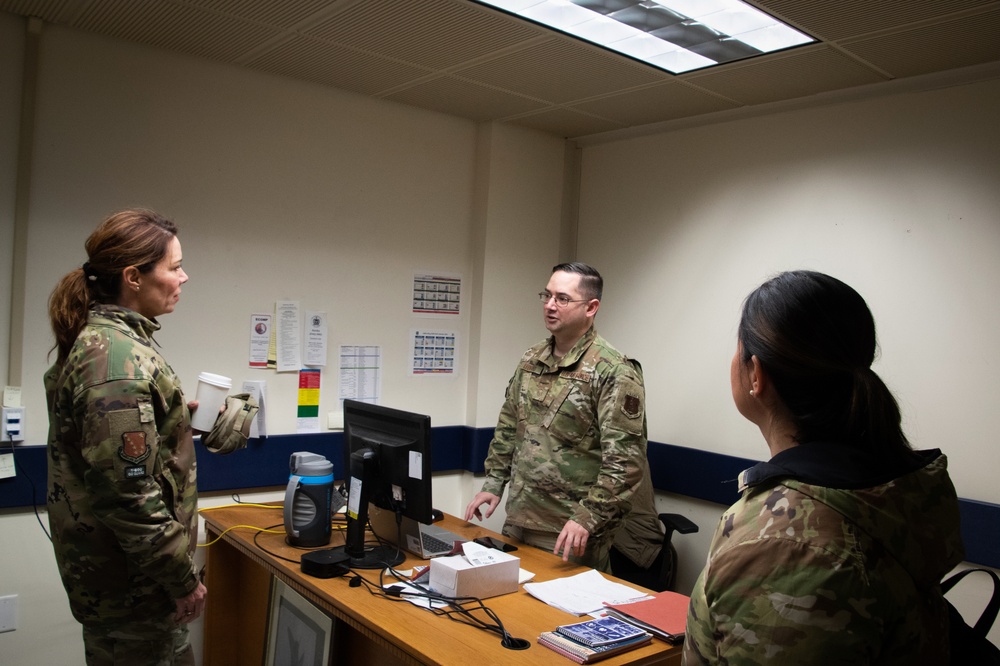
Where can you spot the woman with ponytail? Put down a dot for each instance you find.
(122, 493)
(835, 551)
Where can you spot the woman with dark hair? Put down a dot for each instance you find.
(835, 551)
(122, 497)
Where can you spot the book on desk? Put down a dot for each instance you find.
(624, 627)
(600, 631)
(593, 640)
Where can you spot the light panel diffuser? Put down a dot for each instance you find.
(675, 35)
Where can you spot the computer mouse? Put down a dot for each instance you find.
(436, 515)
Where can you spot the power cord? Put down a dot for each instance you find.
(34, 504)
(458, 609)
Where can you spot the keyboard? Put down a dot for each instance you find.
(433, 545)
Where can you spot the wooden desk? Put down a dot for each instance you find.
(371, 630)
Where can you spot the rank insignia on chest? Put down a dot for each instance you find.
(134, 447)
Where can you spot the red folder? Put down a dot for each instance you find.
(665, 615)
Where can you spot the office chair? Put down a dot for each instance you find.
(662, 573)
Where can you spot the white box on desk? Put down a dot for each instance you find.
(454, 576)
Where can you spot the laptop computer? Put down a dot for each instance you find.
(425, 541)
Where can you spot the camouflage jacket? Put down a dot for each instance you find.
(829, 559)
(122, 498)
(571, 438)
(641, 535)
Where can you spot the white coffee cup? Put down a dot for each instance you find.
(211, 395)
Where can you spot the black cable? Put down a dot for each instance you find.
(34, 504)
(458, 613)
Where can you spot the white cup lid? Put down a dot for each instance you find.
(215, 380)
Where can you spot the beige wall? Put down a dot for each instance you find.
(896, 195)
(338, 217)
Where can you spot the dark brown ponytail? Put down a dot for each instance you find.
(135, 237)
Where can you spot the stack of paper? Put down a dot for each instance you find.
(583, 593)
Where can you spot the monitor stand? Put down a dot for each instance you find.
(376, 557)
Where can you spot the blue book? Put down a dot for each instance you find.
(582, 654)
(602, 631)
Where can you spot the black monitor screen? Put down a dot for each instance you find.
(387, 455)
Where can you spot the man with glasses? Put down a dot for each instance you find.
(571, 438)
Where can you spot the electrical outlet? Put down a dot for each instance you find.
(8, 613)
(12, 425)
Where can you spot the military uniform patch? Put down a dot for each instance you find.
(137, 437)
(134, 448)
(629, 414)
(632, 406)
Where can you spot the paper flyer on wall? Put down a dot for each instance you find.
(437, 295)
(12, 396)
(433, 352)
(316, 332)
(287, 329)
(7, 468)
(307, 416)
(258, 390)
(361, 373)
(260, 339)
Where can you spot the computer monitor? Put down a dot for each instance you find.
(387, 455)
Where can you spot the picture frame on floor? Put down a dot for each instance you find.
(298, 633)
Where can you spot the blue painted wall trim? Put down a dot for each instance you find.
(676, 469)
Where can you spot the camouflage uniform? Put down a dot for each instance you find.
(122, 497)
(571, 440)
(830, 558)
(641, 535)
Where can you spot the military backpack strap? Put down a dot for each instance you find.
(969, 644)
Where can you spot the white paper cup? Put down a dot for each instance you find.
(211, 395)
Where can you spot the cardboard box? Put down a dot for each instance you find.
(455, 576)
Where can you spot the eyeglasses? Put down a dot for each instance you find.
(562, 300)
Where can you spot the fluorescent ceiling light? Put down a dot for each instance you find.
(675, 35)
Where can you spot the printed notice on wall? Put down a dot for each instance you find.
(258, 391)
(289, 336)
(433, 352)
(315, 338)
(7, 468)
(260, 339)
(436, 295)
(361, 373)
(308, 409)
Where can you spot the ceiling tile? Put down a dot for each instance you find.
(283, 14)
(565, 123)
(852, 18)
(668, 101)
(349, 69)
(433, 33)
(173, 26)
(970, 40)
(466, 98)
(806, 71)
(563, 71)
